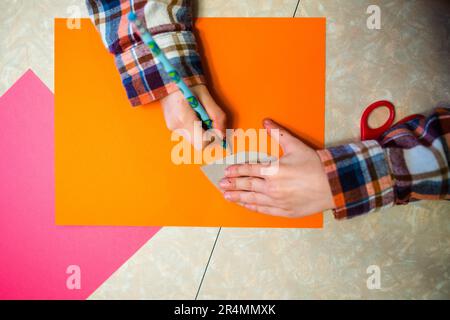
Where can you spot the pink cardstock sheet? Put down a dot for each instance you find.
(39, 260)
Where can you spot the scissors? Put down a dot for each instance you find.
(368, 133)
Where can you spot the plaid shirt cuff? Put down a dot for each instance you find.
(418, 153)
(143, 76)
(360, 178)
(170, 23)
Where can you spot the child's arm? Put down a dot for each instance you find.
(410, 163)
(144, 80)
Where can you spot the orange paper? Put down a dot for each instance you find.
(113, 162)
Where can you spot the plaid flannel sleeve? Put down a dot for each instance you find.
(170, 23)
(410, 162)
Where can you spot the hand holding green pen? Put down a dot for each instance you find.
(176, 117)
(179, 114)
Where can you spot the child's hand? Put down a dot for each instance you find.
(179, 115)
(298, 188)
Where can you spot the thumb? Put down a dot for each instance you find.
(286, 140)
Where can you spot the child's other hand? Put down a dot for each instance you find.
(298, 187)
(179, 115)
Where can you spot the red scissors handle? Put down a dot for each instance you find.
(368, 133)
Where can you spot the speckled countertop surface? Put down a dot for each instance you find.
(406, 61)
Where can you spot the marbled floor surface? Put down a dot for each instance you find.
(406, 61)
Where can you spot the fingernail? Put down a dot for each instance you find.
(224, 183)
(227, 196)
(227, 171)
(267, 121)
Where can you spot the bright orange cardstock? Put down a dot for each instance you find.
(113, 162)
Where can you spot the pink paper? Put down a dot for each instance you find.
(35, 254)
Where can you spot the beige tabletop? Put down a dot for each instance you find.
(405, 61)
